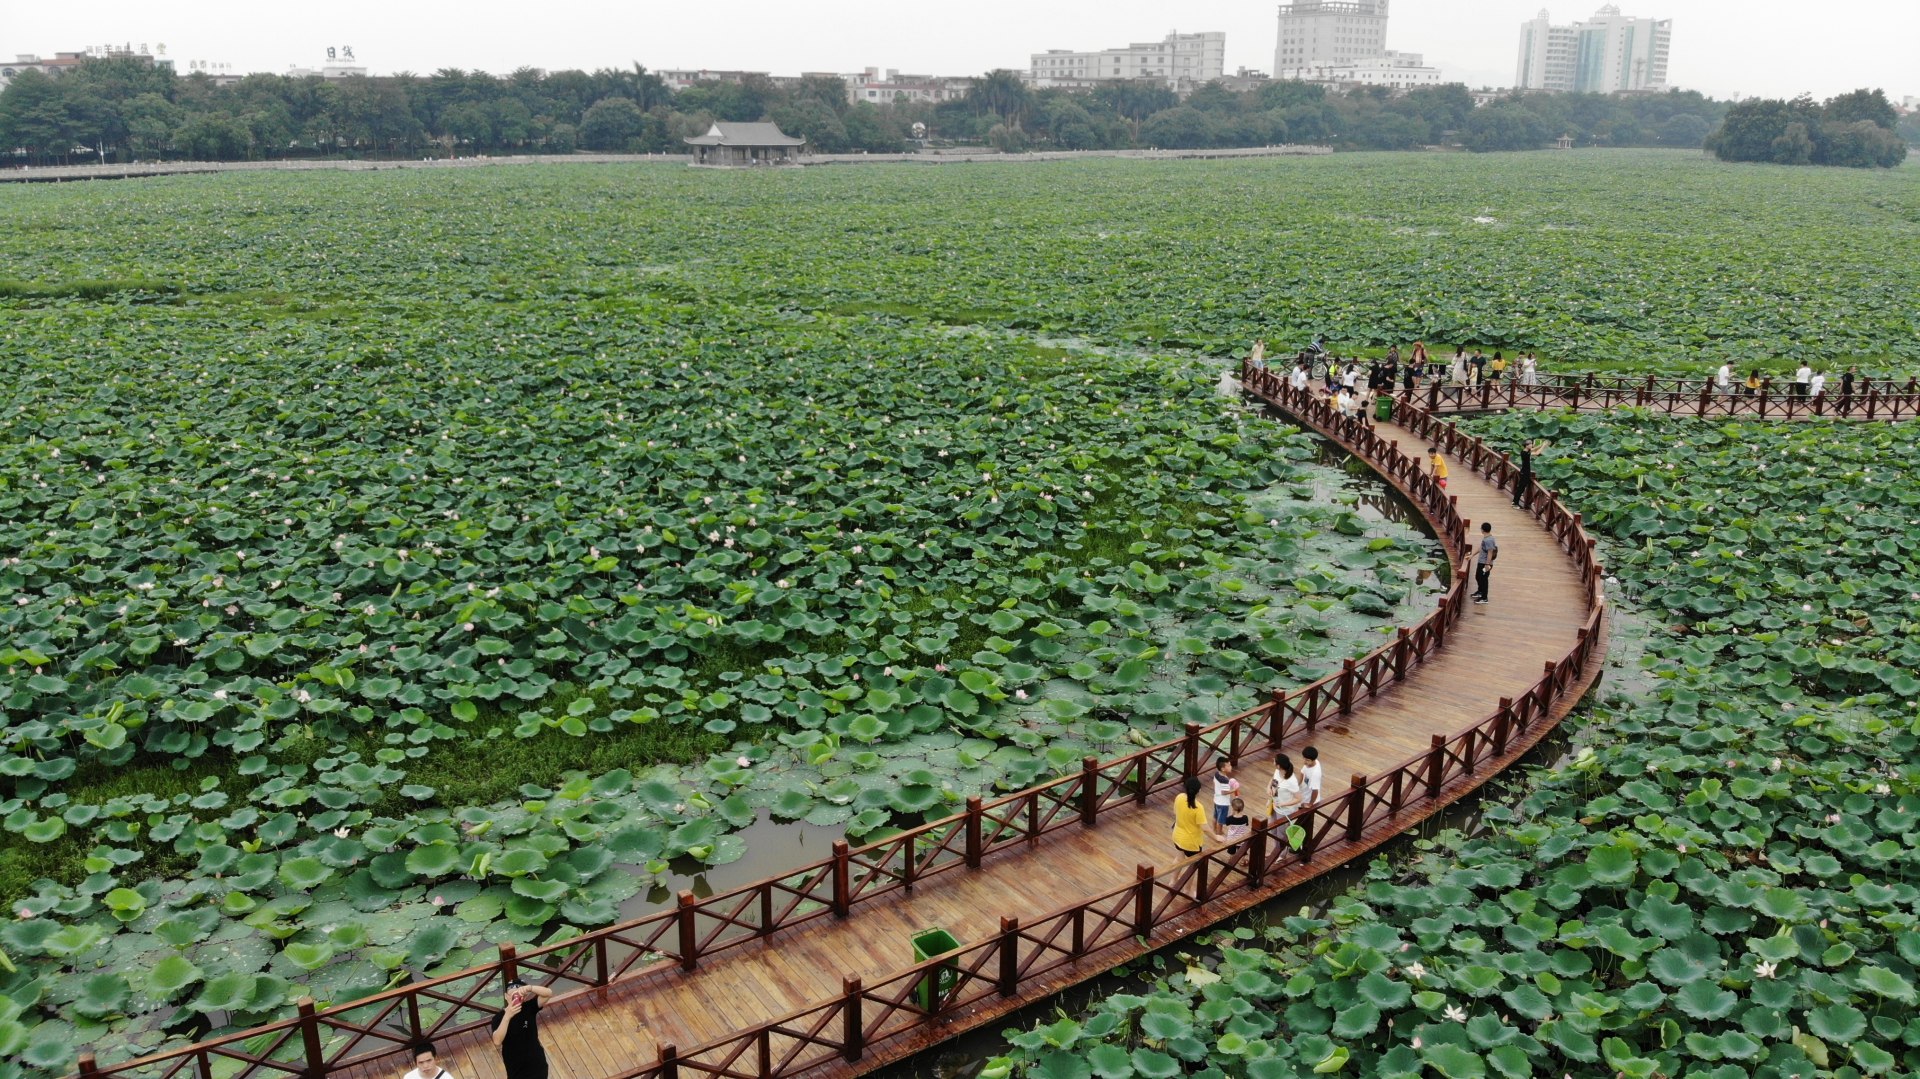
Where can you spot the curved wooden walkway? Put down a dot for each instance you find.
(812, 973)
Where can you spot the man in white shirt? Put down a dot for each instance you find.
(1818, 384)
(1723, 379)
(426, 1065)
(1310, 778)
(1298, 380)
(1343, 404)
(1801, 378)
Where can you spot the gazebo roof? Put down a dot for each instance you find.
(731, 134)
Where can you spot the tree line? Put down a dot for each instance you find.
(121, 109)
(1860, 129)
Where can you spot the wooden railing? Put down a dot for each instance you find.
(317, 1042)
(864, 1018)
(1697, 398)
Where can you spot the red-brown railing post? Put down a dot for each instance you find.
(1257, 853)
(1143, 901)
(1346, 687)
(1140, 781)
(1009, 956)
(310, 1039)
(509, 968)
(689, 935)
(1356, 807)
(973, 832)
(1310, 839)
(1191, 747)
(766, 909)
(1276, 718)
(909, 860)
(853, 1031)
(88, 1066)
(1705, 396)
(842, 879)
(1502, 721)
(413, 999)
(1402, 651)
(1436, 762)
(669, 1062)
(1089, 790)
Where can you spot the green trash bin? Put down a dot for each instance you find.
(926, 944)
(1383, 407)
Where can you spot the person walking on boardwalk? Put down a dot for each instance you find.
(1189, 819)
(1523, 487)
(1498, 367)
(1483, 562)
(1283, 791)
(1439, 464)
(1298, 379)
(1817, 385)
(1723, 378)
(1802, 375)
(517, 1032)
(1754, 382)
(1225, 789)
(1310, 784)
(1847, 379)
(1529, 370)
(1234, 830)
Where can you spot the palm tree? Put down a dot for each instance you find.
(1002, 92)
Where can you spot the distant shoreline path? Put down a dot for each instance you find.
(63, 173)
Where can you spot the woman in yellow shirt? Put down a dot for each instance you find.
(1189, 819)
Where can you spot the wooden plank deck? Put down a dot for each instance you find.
(1497, 650)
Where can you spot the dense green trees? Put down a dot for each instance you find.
(124, 110)
(1857, 129)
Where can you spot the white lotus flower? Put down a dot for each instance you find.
(219, 694)
(1456, 1013)
(1764, 969)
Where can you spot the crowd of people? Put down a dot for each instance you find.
(1353, 385)
(1290, 791)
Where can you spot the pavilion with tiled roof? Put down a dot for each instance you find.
(731, 145)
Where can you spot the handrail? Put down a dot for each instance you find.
(1679, 397)
(846, 1027)
(837, 885)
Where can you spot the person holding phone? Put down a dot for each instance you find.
(517, 1032)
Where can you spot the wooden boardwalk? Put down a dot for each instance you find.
(1497, 650)
(832, 996)
(1675, 397)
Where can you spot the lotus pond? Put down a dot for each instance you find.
(341, 644)
(1719, 884)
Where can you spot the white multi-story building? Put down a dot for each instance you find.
(1394, 70)
(1546, 55)
(1606, 54)
(1324, 33)
(1182, 61)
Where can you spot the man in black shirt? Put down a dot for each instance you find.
(517, 1032)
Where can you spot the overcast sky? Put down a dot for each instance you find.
(1723, 47)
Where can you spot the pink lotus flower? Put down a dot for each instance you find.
(439, 900)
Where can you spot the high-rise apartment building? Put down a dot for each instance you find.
(1606, 54)
(1182, 61)
(1328, 33)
